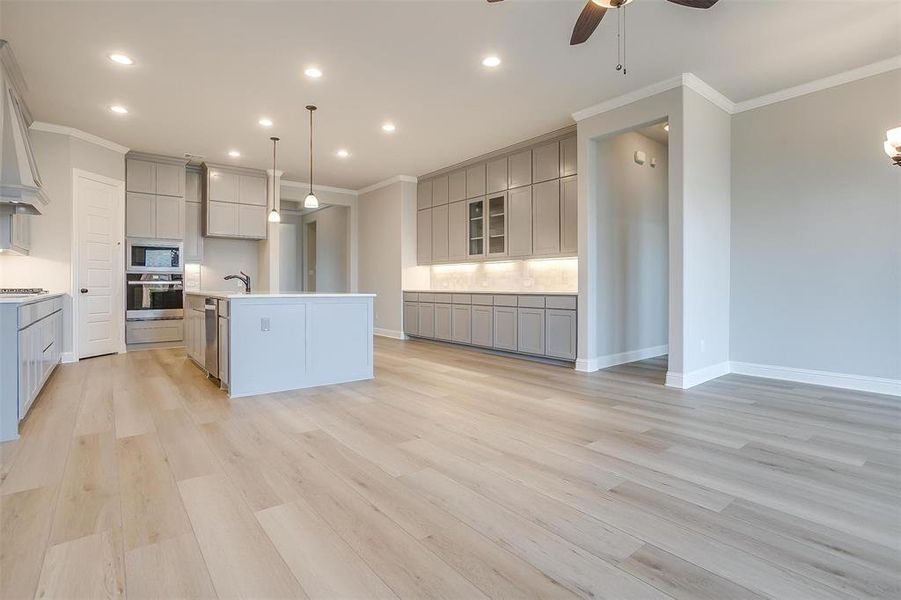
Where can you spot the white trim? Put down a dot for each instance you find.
(862, 383)
(693, 378)
(68, 357)
(877, 68)
(590, 365)
(390, 333)
(118, 268)
(78, 133)
(387, 182)
(696, 84)
(629, 98)
(322, 188)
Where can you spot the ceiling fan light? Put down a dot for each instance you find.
(274, 217)
(611, 3)
(894, 137)
(311, 201)
(891, 150)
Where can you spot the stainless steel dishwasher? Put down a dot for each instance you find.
(211, 320)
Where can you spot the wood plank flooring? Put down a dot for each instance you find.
(454, 474)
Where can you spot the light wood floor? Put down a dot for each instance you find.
(454, 474)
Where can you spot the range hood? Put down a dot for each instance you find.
(21, 191)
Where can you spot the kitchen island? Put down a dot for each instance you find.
(279, 342)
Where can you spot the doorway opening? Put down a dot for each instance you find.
(633, 251)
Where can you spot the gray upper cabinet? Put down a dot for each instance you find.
(519, 168)
(530, 330)
(140, 176)
(546, 218)
(456, 186)
(496, 175)
(439, 234)
(424, 195)
(170, 180)
(193, 233)
(152, 216)
(456, 231)
(439, 190)
(151, 174)
(193, 185)
(424, 237)
(568, 154)
(519, 222)
(569, 226)
(546, 162)
(475, 181)
(170, 218)
(235, 202)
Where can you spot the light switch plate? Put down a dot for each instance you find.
(640, 157)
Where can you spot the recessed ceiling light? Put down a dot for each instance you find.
(491, 61)
(265, 122)
(342, 153)
(234, 153)
(389, 127)
(313, 72)
(119, 110)
(121, 59)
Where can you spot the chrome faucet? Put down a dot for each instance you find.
(245, 280)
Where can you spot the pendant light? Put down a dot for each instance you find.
(311, 201)
(274, 217)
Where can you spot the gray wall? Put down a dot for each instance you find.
(816, 232)
(331, 247)
(632, 245)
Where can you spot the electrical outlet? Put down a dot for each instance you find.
(264, 324)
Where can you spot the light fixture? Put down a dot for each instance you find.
(274, 217)
(234, 153)
(611, 3)
(313, 72)
(491, 61)
(342, 153)
(388, 127)
(311, 201)
(121, 59)
(265, 122)
(892, 145)
(666, 127)
(119, 109)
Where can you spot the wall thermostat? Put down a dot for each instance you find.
(640, 157)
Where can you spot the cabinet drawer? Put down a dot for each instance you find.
(411, 296)
(482, 299)
(530, 301)
(462, 299)
(143, 332)
(426, 297)
(504, 300)
(561, 302)
(444, 298)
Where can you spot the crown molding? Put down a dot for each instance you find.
(876, 68)
(316, 187)
(628, 98)
(698, 85)
(79, 134)
(387, 182)
(275, 173)
(159, 158)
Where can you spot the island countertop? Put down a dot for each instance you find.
(229, 295)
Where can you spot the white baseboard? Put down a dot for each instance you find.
(589, 365)
(390, 333)
(68, 357)
(693, 378)
(861, 383)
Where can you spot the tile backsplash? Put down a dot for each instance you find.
(534, 275)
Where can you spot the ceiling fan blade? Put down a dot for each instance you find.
(494, 0)
(694, 3)
(587, 22)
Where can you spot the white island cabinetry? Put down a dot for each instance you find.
(279, 342)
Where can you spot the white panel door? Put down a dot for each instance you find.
(100, 313)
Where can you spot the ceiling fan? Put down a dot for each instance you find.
(594, 11)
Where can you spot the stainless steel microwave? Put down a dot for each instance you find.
(153, 256)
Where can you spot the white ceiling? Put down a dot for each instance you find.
(205, 73)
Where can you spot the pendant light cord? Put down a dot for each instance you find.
(311, 149)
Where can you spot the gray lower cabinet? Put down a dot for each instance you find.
(482, 326)
(427, 320)
(443, 322)
(505, 328)
(560, 333)
(424, 237)
(530, 330)
(461, 324)
(411, 318)
(439, 234)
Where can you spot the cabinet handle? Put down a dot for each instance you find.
(84, 290)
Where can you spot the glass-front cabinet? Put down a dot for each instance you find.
(487, 226)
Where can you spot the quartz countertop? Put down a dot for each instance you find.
(488, 292)
(29, 299)
(230, 295)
